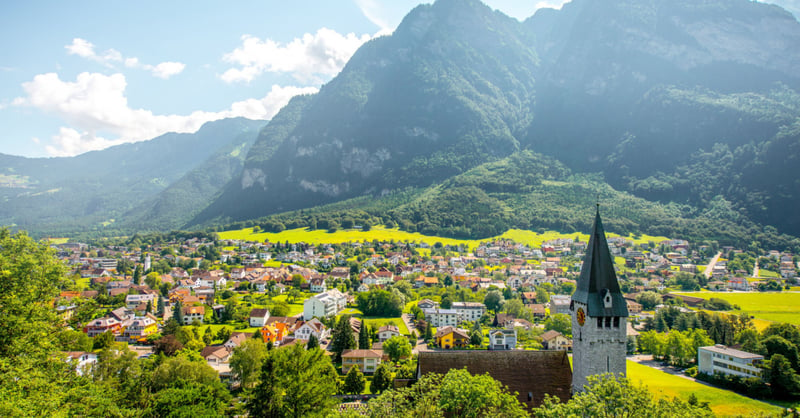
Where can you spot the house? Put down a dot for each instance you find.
(362, 288)
(83, 361)
(449, 337)
(259, 317)
(101, 325)
(324, 304)
(132, 301)
(538, 310)
(441, 317)
(388, 331)
(469, 311)
(312, 327)
(528, 297)
(531, 374)
(634, 307)
(318, 285)
(236, 339)
(274, 333)
(141, 327)
(366, 360)
(427, 304)
(719, 359)
(502, 339)
(502, 319)
(559, 304)
(193, 313)
(554, 340)
(739, 283)
(216, 354)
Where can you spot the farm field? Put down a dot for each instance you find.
(769, 306)
(385, 234)
(722, 402)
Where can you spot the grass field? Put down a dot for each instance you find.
(294, 308)
(769, 306)
(320, 236)
(376, 322)
(767, 274)
(722, 402)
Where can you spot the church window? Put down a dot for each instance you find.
(599, 322)
(616, 322)
(608, 322)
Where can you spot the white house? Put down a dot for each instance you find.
(259, 317)
(312, 327)
(723, 360)
(318, 285)
(387, 331)
(503, 339)
(132, 301)
(83, 361)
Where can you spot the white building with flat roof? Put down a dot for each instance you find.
(723, 360)
(441, 317)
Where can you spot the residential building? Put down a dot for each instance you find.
(387, 331)
(83, 361)
(427, 304)
(502, 339)
(441, 317)
(318, 285)
(101, 325)
(193, 313)
(719, 359)
(141, 327)
(366, 360)
(312, 327)
(259, 317)
(449, 337)
(469, 311)
(559, 304)
(132, 301)
(324, 304)
(216, 354)
(554, 340)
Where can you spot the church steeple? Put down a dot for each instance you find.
(598, 287)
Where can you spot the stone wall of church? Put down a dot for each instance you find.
(597, 349)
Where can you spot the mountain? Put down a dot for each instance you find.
(64, 195)
(691, 105)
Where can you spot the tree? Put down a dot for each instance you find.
(153, 280)
(382, 379)
(137, 275)
(513, 307)
(782, 377)
(559, 322)
(168, 345)
(775, 344)
(294, 382)
(224, 333)
(475, 338)
(177, 313)
(103, 340)
(342, 338)
(313, 342)
(494, 300)
(363, 337)
(428, 331)
(246, 361)
(30, 274)
(649, 300)
(354, 381)
(397, 347)
(446, 302)
(379, 302)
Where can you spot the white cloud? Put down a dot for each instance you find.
(96, 109)
(307, 59)
(85, 49)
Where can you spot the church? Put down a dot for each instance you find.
(599, 314)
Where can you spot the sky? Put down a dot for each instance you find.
(84, 75)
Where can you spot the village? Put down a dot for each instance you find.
(399, 300)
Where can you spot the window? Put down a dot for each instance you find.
(616, 322)
(599, 322)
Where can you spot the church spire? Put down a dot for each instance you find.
(597, 285)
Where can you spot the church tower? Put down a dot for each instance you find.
(599, 314)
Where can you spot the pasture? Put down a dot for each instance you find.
(319, 236)
(769, 306)
(722, 402)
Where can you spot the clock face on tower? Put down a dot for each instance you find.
(581, 316)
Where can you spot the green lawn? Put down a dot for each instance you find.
(768, 274)
(385, 234)
(376, 322)
(82, 283)
(770, 306)
(723, 402)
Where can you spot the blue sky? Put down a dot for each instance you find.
(83, 75)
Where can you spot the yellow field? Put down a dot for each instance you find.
(320, 236)
(767, 306)
(56, 241)
(722, 402)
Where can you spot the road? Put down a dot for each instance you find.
(710, 267)
(421, 345)
(755, 270)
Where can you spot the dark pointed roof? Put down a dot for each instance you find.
(597, 274)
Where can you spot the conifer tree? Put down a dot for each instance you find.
(355, 381)
(363, 337)
(342, 338)
(177, 313)
(313, 342)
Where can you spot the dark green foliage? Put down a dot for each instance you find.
(342, 338)
(379, 302)
(382, 379)
(354, 381)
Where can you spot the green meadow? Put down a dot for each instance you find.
(723, 402)
(769, 306)
(380, 233)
